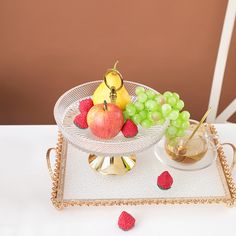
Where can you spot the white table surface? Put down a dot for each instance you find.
(25, 188)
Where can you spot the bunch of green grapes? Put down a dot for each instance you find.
(152, 108)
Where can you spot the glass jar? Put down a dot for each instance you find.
(181, 150)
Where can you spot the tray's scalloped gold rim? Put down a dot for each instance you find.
(60, 203)
(226, 168)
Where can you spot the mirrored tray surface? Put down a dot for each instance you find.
(74, 183)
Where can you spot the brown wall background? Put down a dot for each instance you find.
(47, 47)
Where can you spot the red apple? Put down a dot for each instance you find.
(105, 120)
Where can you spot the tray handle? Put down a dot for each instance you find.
(234, 155)
(48, 155)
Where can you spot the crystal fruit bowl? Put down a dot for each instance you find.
(119, 149)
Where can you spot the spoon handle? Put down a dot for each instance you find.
(199, 124)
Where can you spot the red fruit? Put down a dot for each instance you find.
(165, 180)
(85, 105)
(81, 121)
(126, 221)
(129, 129)
(105, 120)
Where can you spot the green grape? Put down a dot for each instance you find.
(179, 105)
(166, 109)
(176, 95)
(161, 121)
(157, 108)
(131, 110)
(152, 122)
(150, 93)
(177, 123)
(185, 115)
(149, 116)
(139, 90)
(150, 105)
(185, 125)
(171, 100)
(146, 123)
(174, 114)
(160, 99)
(142, 97)
(136, 119)
(168, 136)
(125, 115)
(155, 115)
(167, 94)
(139, 106)
(180, 132)
(171, 130)
(143, 115)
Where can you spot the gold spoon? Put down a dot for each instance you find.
(181, 150)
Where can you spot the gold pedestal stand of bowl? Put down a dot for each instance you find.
(112, 165)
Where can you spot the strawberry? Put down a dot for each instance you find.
(165, 180)
(81, 121)
(85, 105)
(126, 221)
(129, 129)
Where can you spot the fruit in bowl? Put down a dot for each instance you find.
(119, 113)
(152, 108)
(105, 120)
(129, 129)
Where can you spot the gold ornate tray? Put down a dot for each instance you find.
(75, 184)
